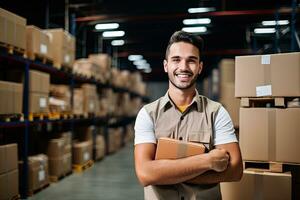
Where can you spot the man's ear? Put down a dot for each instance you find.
(200, 67)
(165, 65)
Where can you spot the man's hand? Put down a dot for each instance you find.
(219, 159)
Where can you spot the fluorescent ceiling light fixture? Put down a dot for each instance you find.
(135, 57)
(140, 62)
(143, 66)
(113, 33)
(273, 23)
(264, 30)
(201, 10)
(106, 26)
(200, 29)
(149, 70)
(117, 42)
(196, 21)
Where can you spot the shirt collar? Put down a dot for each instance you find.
(166, 102)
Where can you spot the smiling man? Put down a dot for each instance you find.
(185, 115)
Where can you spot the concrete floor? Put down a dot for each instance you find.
(113, 178)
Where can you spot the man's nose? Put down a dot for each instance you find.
(183, 65)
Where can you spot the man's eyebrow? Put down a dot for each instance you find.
(193, 57)
(175, 57)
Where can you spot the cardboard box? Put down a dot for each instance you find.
(63, 47)
(78, 101)
(230, 103)
(9, 184)
(100, 147)
(227, 74)
(67, 163)
(56, 166)
(39, 82)
(56, 148)
(168, 148)
(270, 134)
(259, 186)
(82, 152)
(13, 29)
(38, 102)
(11, 97)
(38, 42)
(8, 158)
(268, 75)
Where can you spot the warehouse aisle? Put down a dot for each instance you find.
(110, 179)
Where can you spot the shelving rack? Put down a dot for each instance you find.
(26, 65)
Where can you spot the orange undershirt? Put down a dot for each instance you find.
(182, 108)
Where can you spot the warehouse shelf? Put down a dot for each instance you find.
(68, 78)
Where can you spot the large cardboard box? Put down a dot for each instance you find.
(226, 67)
(231, 104)
(11, 97)
(78, 101)
(9, 185)
(270, 134)
(62, 47)
(168, 148)
(8, 158)
(38, 42)
(38, 102)
(13, 29)
(56, 166)
(67, 163)
(39, 82)
(82, 152)
(259, 186)
(56, 147)
(267, 75)
(100, 147)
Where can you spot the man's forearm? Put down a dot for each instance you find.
(163, 172)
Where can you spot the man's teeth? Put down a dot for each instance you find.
(183, 75)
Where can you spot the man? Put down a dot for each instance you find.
(185, 115)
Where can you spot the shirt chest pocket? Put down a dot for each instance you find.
(203, 137)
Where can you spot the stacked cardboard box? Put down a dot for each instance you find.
(103, 61)
(38, 175)
(115, 137)
(82, 152)
(39, 85)
(62, 46)
(100, 147)
(129, 134)
(86, 68)
(11, 97)
(67, 157)
(227, 97)
(9, 174)
(13, 29)
(37, 43)
(90, 98)
(60, 98)
(259, 186)
(78, 101)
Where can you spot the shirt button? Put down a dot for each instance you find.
(180, 138)
(181, 118)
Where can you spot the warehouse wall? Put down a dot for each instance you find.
(156, 89)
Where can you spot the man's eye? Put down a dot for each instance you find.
(176, 60)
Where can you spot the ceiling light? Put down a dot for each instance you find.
(135, 57)
(117, 42)
(201, 10)
(143, 66)
(273, 23)
(106, 26)
(264, 30)
(113, 33)
(196, 21)
(139, 62)
(200, 29)
(149, 70)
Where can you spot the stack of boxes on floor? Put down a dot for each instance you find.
(83, 147)
(269, 131)
(60, 156)
(9, 174)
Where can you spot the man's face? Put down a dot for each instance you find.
(182, 65)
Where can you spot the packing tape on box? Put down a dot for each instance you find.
(272, 134)
(181, 150)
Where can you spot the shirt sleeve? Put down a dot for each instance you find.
(223, 128)
(144, 128)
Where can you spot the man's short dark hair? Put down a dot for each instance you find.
(182, 36)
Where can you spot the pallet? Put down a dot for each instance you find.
(268, 166)
(10, 49)
(63, 115)
(78, 116)
(39, 57)
(38, 116)
(266, 101)
(31, 193)
(55, 179)
(81, 168)
(11, 117)
(16, 197)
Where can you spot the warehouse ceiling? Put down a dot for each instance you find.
(148, 24)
